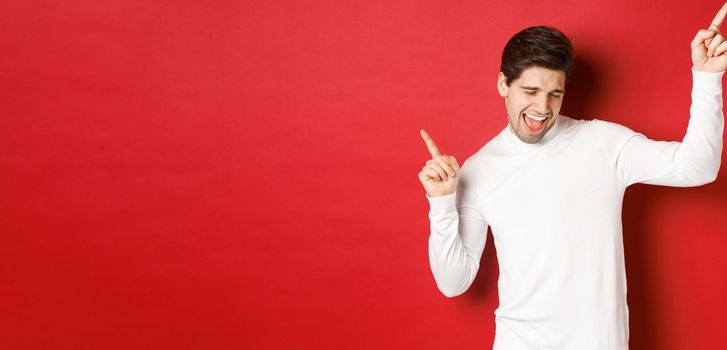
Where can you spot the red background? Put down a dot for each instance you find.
(243, 174)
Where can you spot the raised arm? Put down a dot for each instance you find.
(696, 159)
(457, 229)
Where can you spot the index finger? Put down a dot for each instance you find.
(717, 21)
(433, 150)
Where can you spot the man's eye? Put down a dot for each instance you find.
(531, 93)
(556, 95)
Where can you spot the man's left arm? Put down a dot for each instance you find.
(696, 160)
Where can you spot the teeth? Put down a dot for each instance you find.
(535, 117)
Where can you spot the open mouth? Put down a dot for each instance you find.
(534, 123)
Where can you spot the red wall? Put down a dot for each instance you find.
(243, 174)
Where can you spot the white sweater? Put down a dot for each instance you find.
(555, 212)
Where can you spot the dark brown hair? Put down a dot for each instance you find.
(541, 46)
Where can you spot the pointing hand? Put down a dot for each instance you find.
(440, 174)
(709, 48)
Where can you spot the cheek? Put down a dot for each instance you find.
(518, 102)
(515, 108)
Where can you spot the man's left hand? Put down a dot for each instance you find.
(709, 48)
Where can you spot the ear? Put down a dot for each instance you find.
(502, 87)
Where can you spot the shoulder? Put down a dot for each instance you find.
(488, 152)
(607, 128)
(596, 125)
(602, 129)
(479, 167)
(610, 136)
(478, 160)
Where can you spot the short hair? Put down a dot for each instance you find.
(540, 46)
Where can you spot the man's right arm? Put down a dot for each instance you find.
(457, 237)
(458, 231)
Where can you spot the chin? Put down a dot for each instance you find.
(531, 140)
(526, 137)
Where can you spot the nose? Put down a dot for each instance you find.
(541, 104)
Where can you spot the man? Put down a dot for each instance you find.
(551, 189)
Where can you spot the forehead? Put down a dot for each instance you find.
(544, 78)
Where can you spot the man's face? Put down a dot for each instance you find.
(532, 101)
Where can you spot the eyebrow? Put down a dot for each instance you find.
(533, 88)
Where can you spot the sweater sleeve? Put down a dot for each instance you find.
(457, 237)
(692, 162)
